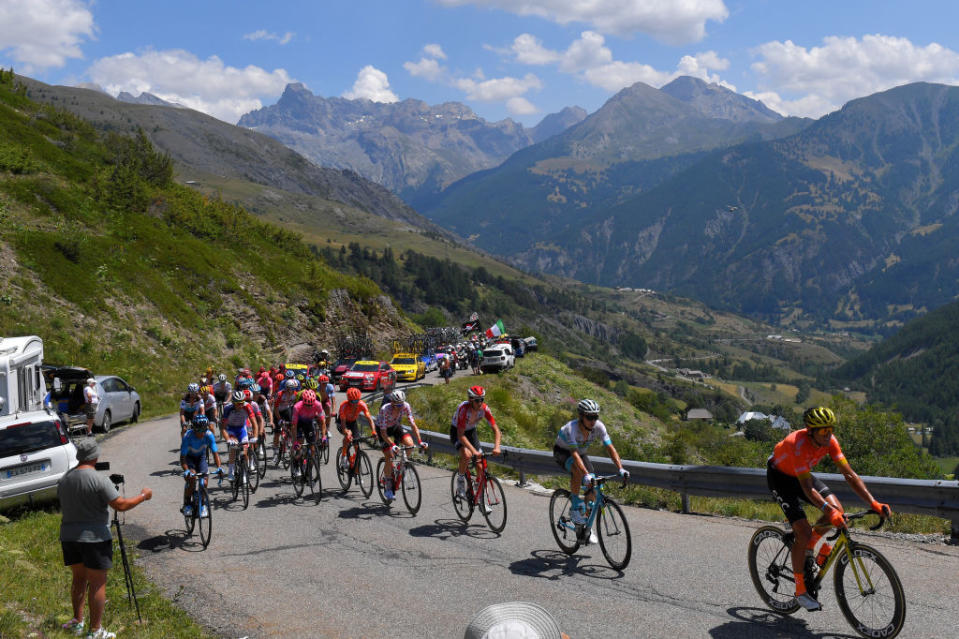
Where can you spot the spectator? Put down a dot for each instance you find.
(85, 534)
(478, 367)
(517, 619)
(90, 402)
(446, 368)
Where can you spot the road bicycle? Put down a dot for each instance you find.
(357, 467)
(868, 589)
(612, 528)
(260, 457)
(305, 470)
(198, 500)
(283, 447)
(405, 478)
(483, 490)
(240, 486)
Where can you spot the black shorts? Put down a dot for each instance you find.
(285, 414)
(307, 430)
(396, 433)
(471, 436)
(353, 427)
(788, 492)
(563, 456)
(196, 463)
(97, 555)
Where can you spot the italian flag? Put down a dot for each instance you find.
(496, 329)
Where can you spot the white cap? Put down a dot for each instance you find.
(513, 620)
(91, 381)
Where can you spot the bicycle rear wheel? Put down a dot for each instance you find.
(325, 453)
(462, 505)
(364, 473)
(493, 501)
(564, 531)
(206, 523)
(412, 493)
(343, 475)
(613, 532)
(875, 604)
(297, 475)
(281, 454)
(382, 481)
(770, 568)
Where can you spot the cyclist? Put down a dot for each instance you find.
(222, 389)
(209, 406)
(307, 412)
(233, 426)
(569, 451)
(790, 479)
(193, 458)
(346, 420)
(328, 397)
(463, 434)
(283, 409)
(389, 422)
(191, 404)
(265, 381)
(263, 405)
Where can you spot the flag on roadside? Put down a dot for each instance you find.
(496, 329)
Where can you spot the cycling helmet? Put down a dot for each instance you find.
(239, 396)
(193, 388)
(222, 377)
(289, 373)
(819, 417)
(309, 397)
(255, 388)
(292, 384)
(206, 390)
(353, 393)
(244, 383)
(324, 379)
(311, 384)
(397, 397)
(476, 392)
(201, 422)
(587, 407)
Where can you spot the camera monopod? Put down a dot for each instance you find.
(117, 479)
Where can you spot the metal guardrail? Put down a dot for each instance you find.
(939, 498)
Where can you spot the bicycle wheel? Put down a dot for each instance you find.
(412, 493)
(261, 457)
(462, 505)
(613, 532)
(252, 470)
(325, 453)
(344, 475)
(364, 473)
(245, 486)
(869, 592)
(381, 480)
(771, 569)
(281, 455)
(564, 531)
(296, 474)
(493, 500)
(190, 520)
(235, 484)
(206, 523)
(313, 476)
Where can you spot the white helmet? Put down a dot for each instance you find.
(397, 397)
(587, 406)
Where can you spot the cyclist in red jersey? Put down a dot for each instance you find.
(790, 479)
(463, 433)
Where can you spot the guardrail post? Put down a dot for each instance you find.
(685, 497)
(955, 532)
(522, 483)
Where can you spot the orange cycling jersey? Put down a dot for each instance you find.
(349, 411)
(797, 454)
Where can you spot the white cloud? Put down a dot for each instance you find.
(44, 33)
(263, 34)
(371, 84)
(528, 49)
(812, 82)
(619, 75)
(434, 51)
(497, 89)
(673, 21)
(427, 68)
(176, 75)
(520, 106)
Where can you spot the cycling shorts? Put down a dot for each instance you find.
(564, 458)
(306, 430)
(353, 427)
(396, 433)
(240, 434)
(788, 492)
(196, 463)
(471, 437)
(286, 414)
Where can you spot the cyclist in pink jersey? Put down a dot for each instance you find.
(306, 412)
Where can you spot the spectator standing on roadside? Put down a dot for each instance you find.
(85, 534)
(446, 368)
(478, 368)
(90, 402)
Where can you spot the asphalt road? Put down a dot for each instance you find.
(351, 567)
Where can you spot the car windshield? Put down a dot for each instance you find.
(403, 361)
(28, 438)
(366, 368)
(345, 362)
(492, 353)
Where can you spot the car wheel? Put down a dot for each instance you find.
(107, 422)
(136, 413)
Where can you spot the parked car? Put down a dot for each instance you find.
(531, 344)
(118, 400)
(497, 358)
(340, 367)
(429, 360)
(408, 367)
(35, 452)
(369, 375)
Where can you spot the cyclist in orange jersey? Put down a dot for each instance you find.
(346, 419)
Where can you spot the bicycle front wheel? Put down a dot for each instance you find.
(325, 453)
(564, 531)
(206, 523)
(253, 473)
(190, 520)
(297, 475)
(243, 474)
(462, 505)
(869, 592)
(613, 532)
(770, 568)
(364, 473)
(235, 484)
(313, 476)
(412, 494)
(343, 474)
(493, 504)
(261, 458)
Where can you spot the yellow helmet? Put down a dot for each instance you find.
(819, 417)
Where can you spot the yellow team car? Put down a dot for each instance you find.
(408, 366)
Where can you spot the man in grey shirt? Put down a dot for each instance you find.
(85, 534)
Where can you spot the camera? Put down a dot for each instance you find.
(102, 466)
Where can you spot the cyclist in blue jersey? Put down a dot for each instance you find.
(193, 457)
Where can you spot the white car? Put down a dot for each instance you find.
(35, 452)
(497, 358)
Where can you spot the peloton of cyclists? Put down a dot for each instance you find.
(389, 423)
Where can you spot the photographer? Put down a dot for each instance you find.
(85, 534)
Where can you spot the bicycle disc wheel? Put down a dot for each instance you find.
(206, 523)
(412, 493)
(296, 474)
(364, 473)
(494, 499)
(344, 475)
(564, 531)
(252, 471)
(614, 537)
(381, 480)
(245, 485)
(877, 608)
(770, 568)
(462, 505)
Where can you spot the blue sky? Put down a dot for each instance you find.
(504, 58)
